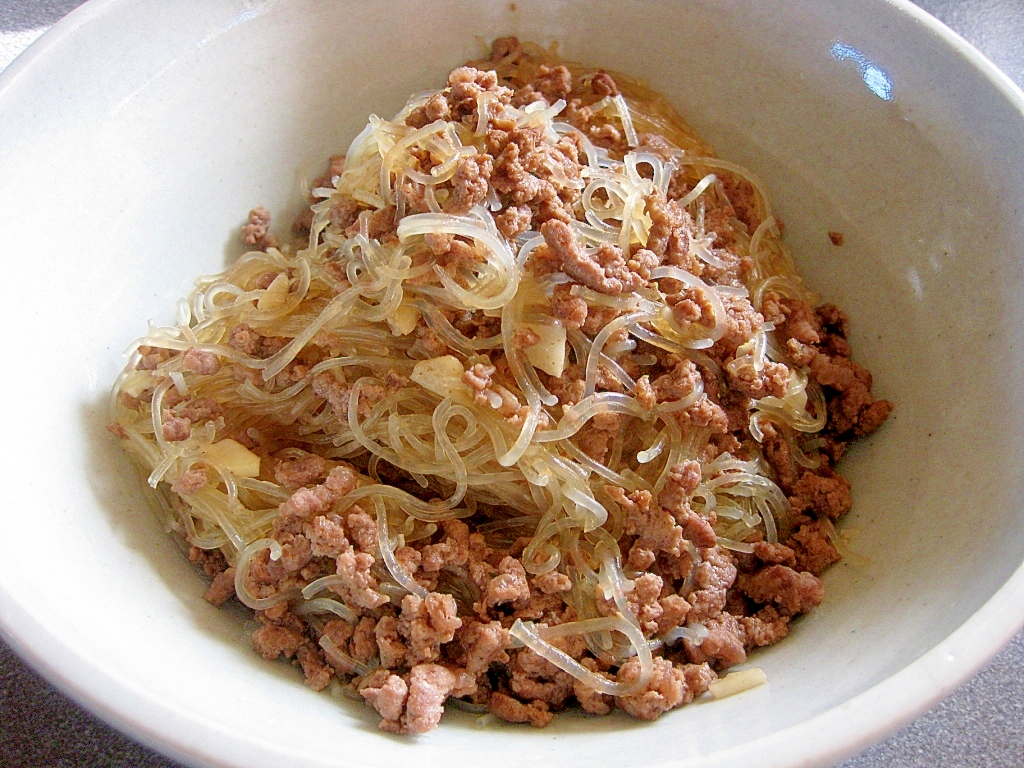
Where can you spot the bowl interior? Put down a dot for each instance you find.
(128, 175)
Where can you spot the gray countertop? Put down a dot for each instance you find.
(981, 724)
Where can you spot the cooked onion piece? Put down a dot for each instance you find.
(738, 682)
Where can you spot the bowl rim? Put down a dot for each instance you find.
(881, 709)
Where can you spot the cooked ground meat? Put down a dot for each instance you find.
(349, 451)
(536, 713)
(470, 183)
(793, 592)
(671, 686)
(200, 362)
(191, 480)
(257, 231)
(605, 271)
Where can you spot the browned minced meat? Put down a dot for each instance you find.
(552, 582)
(590, 699)
(151, 357)
(414, 705)
(513, 220)
(345, 213)
(211, 561)
(449, 635)
(715, 575)
(774, 554)
(655, 527)
(533, 678)
(245, 339)
(606, 271)
(550, 85)
(525, 337)
(449, 249)
(536, 713)
(644, 602)
(198, 410)
(435, 108)
(596, 438)
(273, 640)
(739, 193)
(257, 231)
(483, 644)
(683, 479)
(827, 494)
(191, 480)
(335, 167)
(465, 84)
(470, 183)
(478, 376)
(314, 666)
(677, 383)
(533, 175)
(380, 224)
(295, 472)
(671, 686)
(509, 586)
(222, 588)
(791, 591)
(816, 338)
(176, 429)
(200, 362)
(604, 85)
(771, 381)
(571, 310)
(724, 644)
(669, 236)
(765, 627)
(428, 623)
(814, 552)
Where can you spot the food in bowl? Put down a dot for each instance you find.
(531, 409)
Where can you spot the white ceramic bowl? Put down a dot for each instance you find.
(137, 135)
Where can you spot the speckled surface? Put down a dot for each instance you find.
(981, 724)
